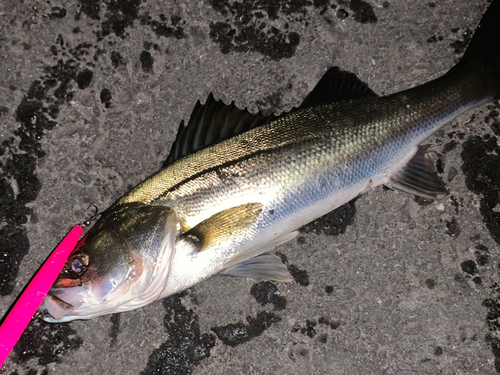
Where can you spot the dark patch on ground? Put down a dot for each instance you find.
(451, 145)
(311, 329)
(482, 255)
(115, 328)
(469, 267)
(421, 201)
(19, 185)
(439, 165)
(147, 62)
(57, 12)
(165, 27)
(438, 351)
(266, 292)
(495, 347)
(3, 110)
(454, 203)
(263, 27)
(492, 119)
(461, 44)
(91, 8)
(363, 11)
(307, 330)
(116, 59)
(430, 283)
(434, 39)
(119, 15)
(493, 321)
(329, 323)
(84, 78)
(481, 158)
(235, 334)
(106, 97)
(342, 14)
(46, 342)
(186, 346)
(333, 223)
(300, 276)
(274, 44)
(329, 289)
(452, 227)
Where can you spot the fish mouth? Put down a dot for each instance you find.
(54, 308)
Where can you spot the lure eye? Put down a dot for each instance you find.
(79, 263)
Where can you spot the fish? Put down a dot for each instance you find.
(237, 184)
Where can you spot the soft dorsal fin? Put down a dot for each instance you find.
(215, 121)
(335, 86)
(210, 123)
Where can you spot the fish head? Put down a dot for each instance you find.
(122, 264)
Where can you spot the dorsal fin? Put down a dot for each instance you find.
(215, 121)
(335, 86)
(210, 123)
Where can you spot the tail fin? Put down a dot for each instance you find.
(484, 49)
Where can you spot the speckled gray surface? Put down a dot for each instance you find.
(91, 94)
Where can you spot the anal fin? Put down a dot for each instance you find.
(257, 263)
(264, 267)
(418, 177)
(260, 249)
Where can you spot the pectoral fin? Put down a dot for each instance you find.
(418, 177)
(221, 226)
(265, 267)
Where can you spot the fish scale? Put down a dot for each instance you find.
(329, 140)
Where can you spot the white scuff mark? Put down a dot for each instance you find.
(15, 187)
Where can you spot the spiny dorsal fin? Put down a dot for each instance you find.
(419, 177)
(221, 226)
(215, 121)
(210, 123)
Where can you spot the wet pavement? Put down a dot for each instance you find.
(91, 96)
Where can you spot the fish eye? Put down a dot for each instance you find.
(79, 263)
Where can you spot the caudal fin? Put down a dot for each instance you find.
(483, 52)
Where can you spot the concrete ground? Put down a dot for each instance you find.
(91, 95)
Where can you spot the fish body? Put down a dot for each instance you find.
(302, 166)
(224, 201)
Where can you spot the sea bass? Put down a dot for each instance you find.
(236, 184)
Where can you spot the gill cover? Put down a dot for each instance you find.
(122, 264)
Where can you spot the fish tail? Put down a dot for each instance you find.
(483, 52)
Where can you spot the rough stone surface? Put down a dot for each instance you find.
(91, 95)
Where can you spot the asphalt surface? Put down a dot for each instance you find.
(91, 95)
